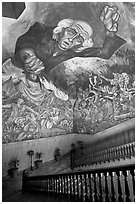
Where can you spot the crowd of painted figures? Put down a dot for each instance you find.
(22, 120)
(102, 106)
(106, 102)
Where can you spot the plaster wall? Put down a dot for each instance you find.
(45, 145)
(89, 139)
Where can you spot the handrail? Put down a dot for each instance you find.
(94, 184)
(117, 146)
(109, 154)
(81, 172)
(87, 185)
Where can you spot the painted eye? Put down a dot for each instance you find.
(80, 39)
(70, 32)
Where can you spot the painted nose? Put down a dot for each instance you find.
(72, 38)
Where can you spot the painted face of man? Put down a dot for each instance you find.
(70, 39)
(75, 35)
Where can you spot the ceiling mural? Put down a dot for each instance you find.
(69, 72)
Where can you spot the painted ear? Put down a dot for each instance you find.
(56, 33)
(88, 43)
(65, 23)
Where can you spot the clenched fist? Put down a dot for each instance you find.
(32, 63)
(109, 17)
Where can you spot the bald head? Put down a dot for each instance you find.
(73, 33)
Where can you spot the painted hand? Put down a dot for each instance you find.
(110, 17)
(32, 63)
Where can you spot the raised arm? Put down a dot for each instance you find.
(112, 43)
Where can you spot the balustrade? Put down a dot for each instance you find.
(120, 146)
(107, 184)
(95, 185)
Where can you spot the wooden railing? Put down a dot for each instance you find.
(108, 184)
(112, 183)
(114, 147)
(107, 155)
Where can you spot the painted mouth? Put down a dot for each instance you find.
(65, 44)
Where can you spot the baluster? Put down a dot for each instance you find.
(70, 182)
(77, 185)
(90, 187)
(123, 152)
(45, 185)
(67, 185)
(59, 189)
(63, 184)
(86, 187)
(72, 185)
(41, 185)
(100, 156)
(74, 189)
(100, 187)
(113, 199)
(108, 155)
(51, 184)
(114, 153)
(48, 185)
(120, 197)
(58, 185)
(128, 151)
(81, 182)
(55, 184)
(111, 154)
(62, 189)
(132, 172)
(133, 149)
(119, 153)
(127, 192)
(95, 188)
(106, 187)
(104, 156)
(116, 150)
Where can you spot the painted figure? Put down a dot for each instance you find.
(43, 48)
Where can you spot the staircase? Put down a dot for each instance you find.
(104, 171)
